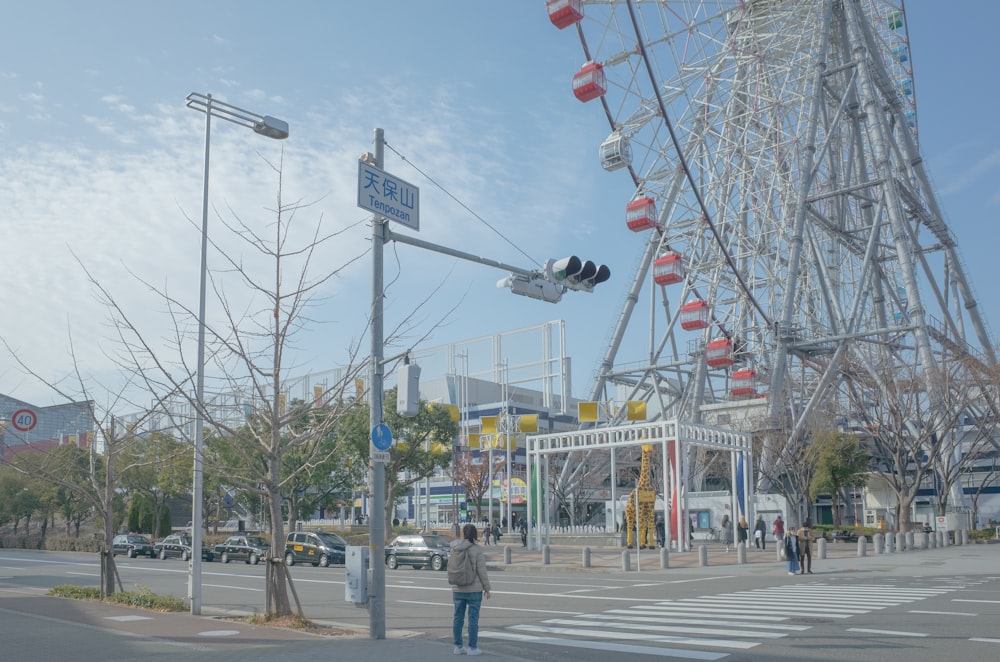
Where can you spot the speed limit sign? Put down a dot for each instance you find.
(24, 420)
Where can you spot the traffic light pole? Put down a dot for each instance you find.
(530, 286)
(376, 516)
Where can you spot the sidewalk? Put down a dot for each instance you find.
(609, 559)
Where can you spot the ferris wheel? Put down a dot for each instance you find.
(787, 221)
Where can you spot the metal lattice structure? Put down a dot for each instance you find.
(794, 223)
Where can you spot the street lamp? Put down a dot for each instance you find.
(270, 127)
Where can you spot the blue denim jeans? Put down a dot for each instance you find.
(473, 601)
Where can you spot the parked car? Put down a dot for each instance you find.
(316, 547)
(132, 545)
(249, 548)
(179, 545)
(418, 551)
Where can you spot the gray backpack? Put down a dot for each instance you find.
(461, 571)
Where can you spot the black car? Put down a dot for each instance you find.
(418, 551)
(132, 545)
(251, 549)
(316, 547)
(179, 545)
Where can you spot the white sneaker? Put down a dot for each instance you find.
(460, 650)
(473, 651)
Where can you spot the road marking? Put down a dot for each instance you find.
(492, 608)
(989, 602)
(619, 613)
(944, 613)
(988, 641)
(637, 636)
(600, 645)
(579, 622)
(235, 588)
(891, 633)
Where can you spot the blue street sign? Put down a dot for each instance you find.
(382, 437)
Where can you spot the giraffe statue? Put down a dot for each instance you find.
(647, 504)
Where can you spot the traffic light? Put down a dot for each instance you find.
(576, 274)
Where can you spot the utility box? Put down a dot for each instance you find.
(356, 575)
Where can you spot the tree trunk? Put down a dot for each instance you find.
(278, 587)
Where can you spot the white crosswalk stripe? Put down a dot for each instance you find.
(728, 622)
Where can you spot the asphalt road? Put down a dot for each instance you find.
(920, 605)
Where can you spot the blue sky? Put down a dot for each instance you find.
(99, 158)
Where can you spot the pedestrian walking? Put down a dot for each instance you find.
(524, 532)
(759, 533)
(470, 584)
(487, 533)
(497, 532)
(744, 530)
(792, 554)
(779, 529)
(727, 531)
(804, 535)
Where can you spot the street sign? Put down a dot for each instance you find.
(380, 457)
(388, 195)
(24, 420)
(382, 437)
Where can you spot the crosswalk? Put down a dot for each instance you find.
(714, 626)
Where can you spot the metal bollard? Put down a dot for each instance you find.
(703, 555)
(911, 539)
(506, 555)
(821, 548)
(862, 546)
(965, 536)
(664, 558)
(545, 554)
(878, 542)
(626, 561)
(890, 542)
(900, 542)
(741, 554)
(586, 557)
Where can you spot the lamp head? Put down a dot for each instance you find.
(272, 127)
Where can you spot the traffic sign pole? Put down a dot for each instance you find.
(376, 518)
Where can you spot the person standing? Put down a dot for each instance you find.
(469, 597)
(743, 529)
(792, 554)
(487, 533)
(779, 529)
(805, 552)
(727, 531)
(759, 533)
(524, 532)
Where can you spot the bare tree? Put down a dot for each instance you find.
(474, 476)
(265, 293)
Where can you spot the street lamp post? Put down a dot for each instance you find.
(270, 127)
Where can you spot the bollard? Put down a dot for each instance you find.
(703, 555)
(741, 554)
(586, 557)
(911, 539)
(878, 542)
(965, 536)
(942, 538)
(626, 561)
(901, 542)
(862, 546)
(922, 541)
(506, 555)
(664, 558)
(545, 554)
(890, 542)
(780, 551)
(821, 548)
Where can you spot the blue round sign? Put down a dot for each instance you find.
(382, 437)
